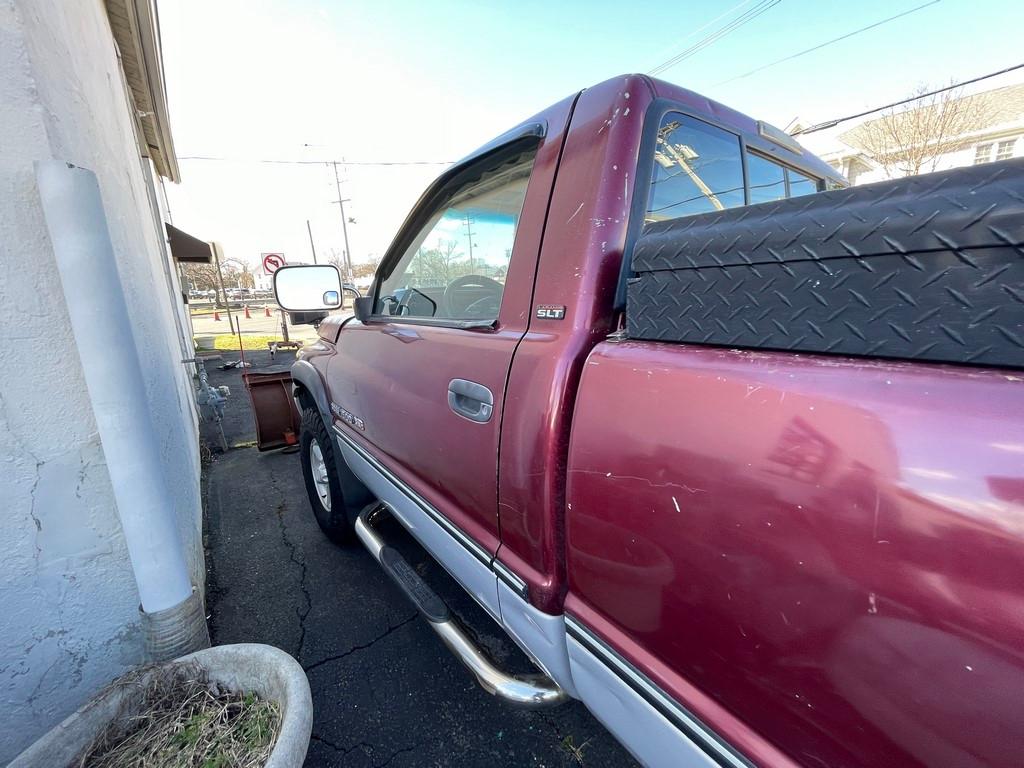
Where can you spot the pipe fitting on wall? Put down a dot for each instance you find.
(176, 631)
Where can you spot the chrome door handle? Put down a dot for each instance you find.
(470, 400)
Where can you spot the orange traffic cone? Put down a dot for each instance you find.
(266, 312)
(247, 315)
(216, 315)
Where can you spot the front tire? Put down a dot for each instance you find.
(320, 474)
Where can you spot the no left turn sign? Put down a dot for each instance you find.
(272, 262)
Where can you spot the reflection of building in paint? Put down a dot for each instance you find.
(802, 442)
(802, 453)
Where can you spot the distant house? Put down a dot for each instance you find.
(995, 132)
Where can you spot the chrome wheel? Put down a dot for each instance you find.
(321, 480)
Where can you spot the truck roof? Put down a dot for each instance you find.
(700, 107)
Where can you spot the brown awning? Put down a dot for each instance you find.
(184, 247)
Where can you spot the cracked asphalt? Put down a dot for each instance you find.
(385, 690)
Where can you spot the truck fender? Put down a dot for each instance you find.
(308, 386)
(306, 379)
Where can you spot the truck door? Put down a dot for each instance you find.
(420, 384)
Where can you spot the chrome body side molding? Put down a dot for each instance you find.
(649, 722)
(510, 579)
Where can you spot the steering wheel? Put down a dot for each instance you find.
(455, 306)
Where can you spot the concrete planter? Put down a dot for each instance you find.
(262, 669)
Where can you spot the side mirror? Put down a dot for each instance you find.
(308, 287)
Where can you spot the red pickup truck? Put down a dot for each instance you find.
(735, 453)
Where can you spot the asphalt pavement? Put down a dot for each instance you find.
(385, 690)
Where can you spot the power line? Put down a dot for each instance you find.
(708, 24)
(745, 18)
(918, 97)
(314, 162)
(739, 21)
(828, 43)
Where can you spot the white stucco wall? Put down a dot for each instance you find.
(69, 602)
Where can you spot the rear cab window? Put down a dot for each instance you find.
(701, 168)
(697, 169)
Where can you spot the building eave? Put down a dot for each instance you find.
(136, 30)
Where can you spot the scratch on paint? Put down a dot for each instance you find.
(676, 503)
(574, 214)
(872, 603)
(878, 501)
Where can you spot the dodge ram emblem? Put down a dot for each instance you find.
(349, 418)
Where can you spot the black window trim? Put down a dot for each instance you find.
(509, 144)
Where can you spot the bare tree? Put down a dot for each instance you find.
(910, 141)
(203, 277)
(366, 268)
(245, 278)
(337, 258)
(441, 264)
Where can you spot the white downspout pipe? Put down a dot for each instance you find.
(95, 299)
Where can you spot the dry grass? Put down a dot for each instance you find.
(228, 342)
(187, 722)
(574, 752)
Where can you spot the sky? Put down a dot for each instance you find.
(427, 82)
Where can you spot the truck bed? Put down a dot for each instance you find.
(824, 549)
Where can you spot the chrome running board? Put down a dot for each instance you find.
(533, 691)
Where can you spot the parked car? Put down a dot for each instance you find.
(733, 452)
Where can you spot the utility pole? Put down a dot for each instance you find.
(469, 239)
(344, 223)
(311, 246)
(220, 279)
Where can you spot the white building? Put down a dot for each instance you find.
(82, 83)
(263, 281)
(997, 134)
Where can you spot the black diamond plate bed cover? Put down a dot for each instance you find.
(924, 268)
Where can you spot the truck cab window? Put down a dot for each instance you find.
(800, 185)
(767, 179)
(456, 265)
(697, 169)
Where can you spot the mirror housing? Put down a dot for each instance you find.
(308, 287)
(362, 307)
